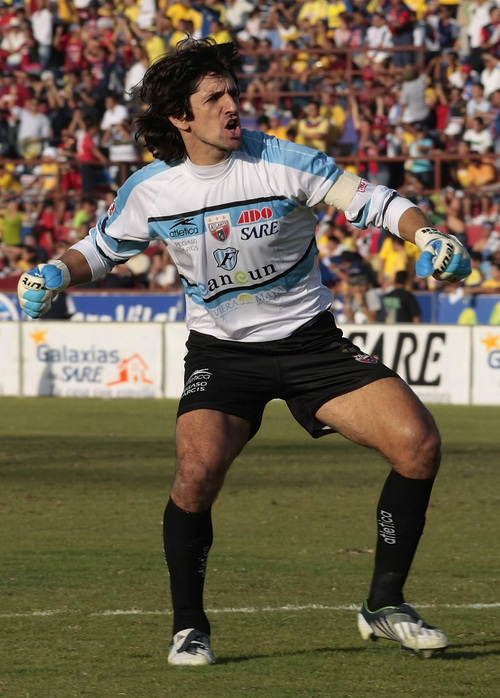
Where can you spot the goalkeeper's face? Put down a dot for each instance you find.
(214, 132)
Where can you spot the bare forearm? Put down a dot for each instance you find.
(411, 220)
(78, 267)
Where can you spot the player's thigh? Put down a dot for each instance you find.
(207, 442)
(387, 416)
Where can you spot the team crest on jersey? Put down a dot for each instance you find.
(366, 359)
(226, 258)
(219, 226)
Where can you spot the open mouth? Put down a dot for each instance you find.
(233, 125)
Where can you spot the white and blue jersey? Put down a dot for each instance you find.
(241, 233)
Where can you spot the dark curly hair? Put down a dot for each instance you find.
(168, 85)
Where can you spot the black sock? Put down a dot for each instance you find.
(400, 521)
(187, 538)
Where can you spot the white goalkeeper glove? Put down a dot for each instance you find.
(443, 256)
(38, 288)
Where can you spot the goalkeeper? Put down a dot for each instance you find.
(235, 209)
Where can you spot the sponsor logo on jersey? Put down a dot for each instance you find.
(184, 227)
(253, 215)
(244, 299)
(247, 232)
(219, 226)
(226, 258)
(112, 209)
(240, 278)
(362, 185)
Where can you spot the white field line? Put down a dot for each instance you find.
(214, 611)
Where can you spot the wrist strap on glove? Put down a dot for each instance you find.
(56, 280)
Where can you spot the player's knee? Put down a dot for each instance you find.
(197, 483)
(420, 449)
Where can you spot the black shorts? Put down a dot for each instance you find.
(308, 368)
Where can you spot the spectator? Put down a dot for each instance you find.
(491, 285)
(29, 259)
(34, 129)
(478, 136)
(184, 10)
(335, 9)
(490, 34)
(12, 221)
(451, 99)
(401, 304)
(490, 76)
(163, 274)
(314, 128)
(89, 154)
(8, 181)
(46, 173)
(413, 98)
(378, 37)
(115, 112)
(136, 69)
(101, 60)
(276, 127)
(395, 255)
(120, 142)
(445, 27)
(68, 43)
(331, 109)
(488, 244)
(31, 240)
(219, 33)
(480, 17)
(85, 217)
(42, 21)
(476, 277)
(419, 149)
(362, 304)
(453, 200)
(477, 105)
(13, 43)
(401, 23)
(237, 13)
(471, 174)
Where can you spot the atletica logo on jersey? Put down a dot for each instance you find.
(183, 227)
(227, 258)
(219, 226)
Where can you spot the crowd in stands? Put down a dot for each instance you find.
(405, 94)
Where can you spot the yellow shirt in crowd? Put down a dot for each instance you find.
(177, 11)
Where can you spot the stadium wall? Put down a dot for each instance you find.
(442, 363)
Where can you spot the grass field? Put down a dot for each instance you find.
(84, 602)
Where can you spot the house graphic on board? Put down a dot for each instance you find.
(132, 370)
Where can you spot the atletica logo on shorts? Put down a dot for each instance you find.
(197, 381)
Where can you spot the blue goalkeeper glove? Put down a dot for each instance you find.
(443, 256)
(37, 288)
